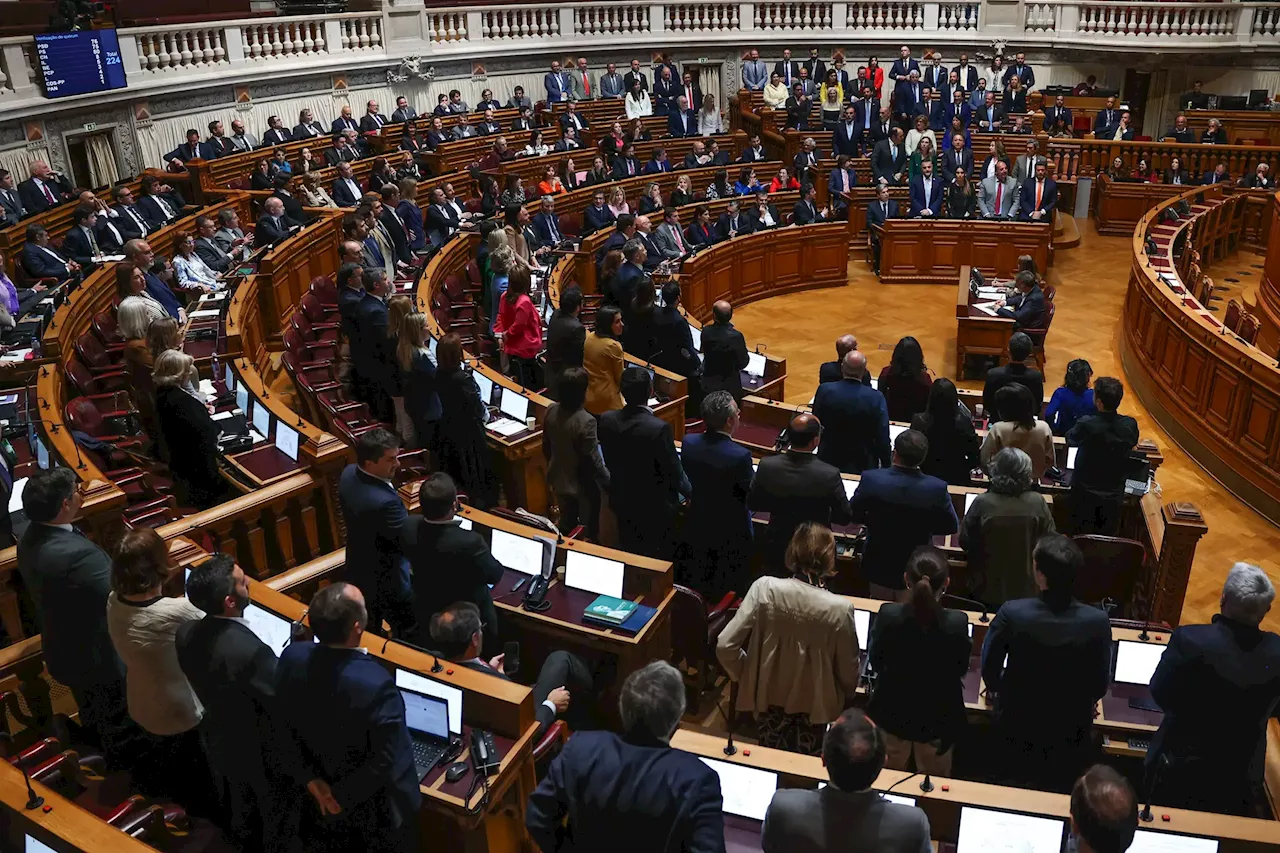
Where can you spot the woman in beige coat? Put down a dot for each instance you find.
(792, 647)
(1019, 428)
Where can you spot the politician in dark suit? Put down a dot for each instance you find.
(902, 509)
(882, 209)
(193, 149)
(66, 580)
(829, 371)
(855, 419)
(724, 353)
(795, 487)
(926, 193)
(645, 478)
(41, 260)
(957, 158)
(1020, 347)
(1046, 662)
(255, 761)
(273, 226)
(43, 190)
(375, 518)
(605, 790)
(1218, 685)
(349, 720)
(682, 121)
(889, 159)
(1038, 197)
(448, 563)
(1027, 305)
(717, 526)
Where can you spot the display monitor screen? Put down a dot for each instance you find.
(594, 574)
(270, 628)
(287, 440)
(988, 831)
(514, 405)
(746, 791)
(516, 552)
(1137, 662)
(80, 62)
(1146, 841)
(407, 680)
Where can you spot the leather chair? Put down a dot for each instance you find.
(326, 291)
(1249, 328)
(1038, 335)
(1233, 316)
(695, 627)
(95, 356)
(102, 383)
(1112, 567)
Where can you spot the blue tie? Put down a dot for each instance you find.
(373, 247)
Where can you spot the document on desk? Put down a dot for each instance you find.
(206, 387)
(505, 427)
(16, 355)
(256, 436)
(986, 307)
(212, 312)
(991, 293)
(222, 416)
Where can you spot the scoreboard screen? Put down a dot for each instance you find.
(79, 63)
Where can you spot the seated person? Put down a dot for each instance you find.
(456, 633)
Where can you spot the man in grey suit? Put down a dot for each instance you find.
(67, 579)
(755, 74)
(847, 814)
(1024, 168)
(580, 81)
(611, 83)
(668, 238)
(998, 196)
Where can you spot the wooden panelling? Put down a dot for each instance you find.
(932, 251)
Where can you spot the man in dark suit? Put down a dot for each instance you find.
(66, 579)
(856, 419)
(878, 212)
(633, 786)
(139, 254)
(673, 340)
(1104, 441)
(989, 117)
(806, 210)
(375, 518)
(645, 478)
(44, 189)
(968, 73)
(889, 159)
(1026, 306)
(546, 224)
(666, 90)
(345, 191)
(957, 158)
(276, 133)
(847, 133)
(717, 527)
(566, 337)
(1046, 663)
(902, 509)
(597, 215)
(1020, 348)
(391, 221)
(273, 226)
(926, 193)
(307, 127)
(829, 371)
(908, 95)
(256, 765)
(563, 688)
(1020, 69)
(349, 720)
(904, 65)
(635, 74)
(1059, 110)
(158, 202)
(1218, 685)
(1038, 197)
(207, 248)
(404, 111)
(1219, 175)
(343, 152)
(795, 487)
(787, 69)
(41, 260)
(630, 274)
(292, 207)
(724, 353)
(448, 564)
(344, 122)
(733, 221)
(80, 242)
(11, 209)
(625, 165)
(754, 152)
(866, 119)
(193, 149)
(935, 74)
(130, 221)
(682, 121)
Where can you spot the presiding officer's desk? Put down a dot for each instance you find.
(943, 805)
(925, 251)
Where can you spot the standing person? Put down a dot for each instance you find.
(902, 509)
(1046, 662)
(717, 526)
(1073, 399)
(905, 381)
(464, 454)
(519, 330)
(1018, 427)
(603, 787)
(848, 814)
(920, 655)
(646, 481)
(188, 429)
(792, 647)
(724, 353)
(257, 771)
(1105, 440)
(142, 623)
(576, 471)
(856, 420)
(1104, 811)
(359, 746)
(953, 442)
(418, 381)
(602, 359)
(374, 517)
(566, 338)
(1218, 685)
(68, 580)
(1017, 370)
(1001, 529)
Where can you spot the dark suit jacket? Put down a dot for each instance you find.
(1023, 73)
(805, 213)
(276, 136)
(884, 165)
(359, 744)
(795, 487)
(902, 510)
(719, 472)
(368, 124)
(67, 579)
(212, 254)
(724, 355)
(635, 75)
(129, 227)
(855, 422)
(1014, 102)
(34, 201)
(918, 200)
(934, 76)
(308, 131)
(949, 165)
(399, 236)
(1007, 374)
(1052, 114)
(1104, 439)
(185, 152)
(899, 70)
(876, 215)
(919, 691)
(110, 236)
(639, 451)
(375, 519)
(665, 93)
(1105, 123)
(1059, 666)
(292, 207)
(340, 124)
(442, 220)
(541, 223)
(566, 337)
(1218, 684)
(186, 423)
(151, 210)
(1027, 310)
(450, 564)
(682, 124)
(1027, 199)
(807, 821)
(266, 232)
(11, 208)
(164, 295)
(658, 799)
(75, 245)
(845, 142)
(347, 154)
(673, 342)
(597, 220)
(725, 224)
(40, 264)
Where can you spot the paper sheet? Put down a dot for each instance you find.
(986, 307)
(16, 355)
(213, 312)
(505, 427)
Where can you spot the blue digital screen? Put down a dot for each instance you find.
(79, 63)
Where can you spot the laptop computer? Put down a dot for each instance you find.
(428, 720)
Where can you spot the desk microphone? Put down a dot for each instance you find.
(926, 784)
(34, 800)
(55, 428)
(971, 602)
(729, 748)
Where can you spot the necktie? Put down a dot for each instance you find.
(1039, 193)
(893, 151)
(928, 188)
(555, 232)
(679, 243)
(48, 194)
(115, 233)
(586, 84)
(844, 180)
(999, 198)
(165, 208)
(137, 220)
(93, 244)
(915, 93)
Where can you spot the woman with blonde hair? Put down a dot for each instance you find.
(134, 318)
(709, 122)
(187, 428)
(502, 260)
(683, 193)
(618, 202)
(920, 130)
(652, 199)
(315, 195)
(792, 647)
(418, 381)
(163, 334)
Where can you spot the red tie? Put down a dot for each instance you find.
(48, 193)
(999, 195)
(679, 242)
(1039, 191)
(586, 84)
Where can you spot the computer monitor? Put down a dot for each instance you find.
(516, 552)
(242, 399)
(968, 501)
(287, 440)
(426, 714)
(899, 799)
(594, 574)
(1232, 102)
(746, 791)
(35, 845)
(261, 418)
(985, 830)
(1071, 457)
(271, 629)
(431, 348)
(42, 454)
(862, 627)
(1136, 662)
(1258, 97)
(514, 405)
(464, 523)
(755, 364)
(850, 486)
(1146, 841)
(229, 379)
(485, 384)
(696, 333)
(896, 430)
(406, 680)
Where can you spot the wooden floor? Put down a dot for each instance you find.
(1091, 281)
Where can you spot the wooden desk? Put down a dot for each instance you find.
(1121, 204)
(1239, 124)
(917, 251)
(977, 333)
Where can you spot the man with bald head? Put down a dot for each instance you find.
(830, 370)
(794, 487)
(1104, 811)
(857, 419)
(724, 353)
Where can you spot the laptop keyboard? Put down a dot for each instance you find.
(426, 756)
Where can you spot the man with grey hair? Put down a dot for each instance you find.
(632, 787)
(857, 420)
(1218, 685)
(830, 370)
